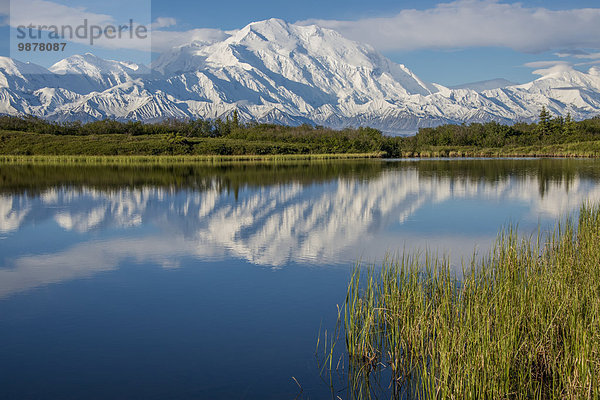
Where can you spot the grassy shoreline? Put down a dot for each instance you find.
(574, 150)
(123, 144)
(522, 323)
(282, 158)
(587, 149)
(174, 159)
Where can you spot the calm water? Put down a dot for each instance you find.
(212, 282)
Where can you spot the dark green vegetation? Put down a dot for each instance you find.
(32, 136)
(550, 137)
(522, 323)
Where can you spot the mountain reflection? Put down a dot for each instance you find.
(275, 216)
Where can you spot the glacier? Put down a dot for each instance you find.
(275, 72)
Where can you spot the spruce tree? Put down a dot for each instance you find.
(569, 127)
(544, 124)
(236, 119)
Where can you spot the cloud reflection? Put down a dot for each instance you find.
(328, 223)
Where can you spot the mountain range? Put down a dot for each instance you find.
(277, 72)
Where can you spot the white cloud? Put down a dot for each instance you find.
(42, 12)
(79, 23)
(550, 68)
(163, 22)
(476, 23)
(587, 64)
(545, 68)
(571, 53)
(165, 40)
(592, 56)
(547, 64)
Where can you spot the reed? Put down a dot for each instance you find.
(583, 149)
(522, 323)
(173, 159)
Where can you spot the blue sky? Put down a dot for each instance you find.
(238, 13)
(444, 42)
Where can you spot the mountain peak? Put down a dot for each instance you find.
(558, 71)
(269, 23)
(279, 34)
(275, 71)
(92, 65)
(564, 76)
(15, 67)
(286, 55)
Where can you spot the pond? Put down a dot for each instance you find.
(213, 281)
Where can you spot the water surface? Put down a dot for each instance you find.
(211, 282)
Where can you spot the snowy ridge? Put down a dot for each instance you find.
(485, 85)
(272, 71)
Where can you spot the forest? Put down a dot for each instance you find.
(550, 136)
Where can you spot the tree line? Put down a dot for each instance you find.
(237, 137)
(549, 130)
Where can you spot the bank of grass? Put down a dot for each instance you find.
(522, 324)
(133, 160)
(586, 149)
(162, 148)
(124, 144)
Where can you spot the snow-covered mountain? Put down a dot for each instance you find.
(272, 71)
(481, 86)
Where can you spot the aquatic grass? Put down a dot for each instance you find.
(134, 160)
(577, 149)
(524, 322)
